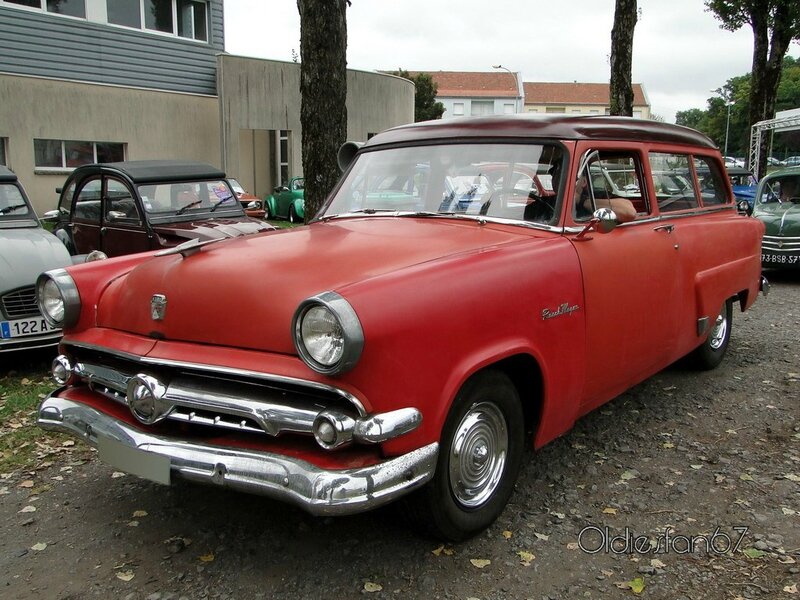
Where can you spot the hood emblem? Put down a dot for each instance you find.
(158, 306)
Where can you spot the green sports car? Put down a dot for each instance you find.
(778, 206)
(287, 201)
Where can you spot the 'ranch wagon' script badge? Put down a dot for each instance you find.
(158, 306)
(563, 309)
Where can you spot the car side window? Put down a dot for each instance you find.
(66, 200)
(87, 203)
(120, 204)
(673, 182)
(710, 181)
(612, 175)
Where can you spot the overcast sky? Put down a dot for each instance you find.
(680, 53)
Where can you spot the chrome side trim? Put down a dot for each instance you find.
(659, 218)
(316, 490)
(224, 371)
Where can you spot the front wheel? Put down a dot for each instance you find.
(710, 353)
(292, 214)
(479, 459)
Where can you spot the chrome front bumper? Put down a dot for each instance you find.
(316, 490)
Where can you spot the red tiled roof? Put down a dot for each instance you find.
(539, 92)
(466, 84)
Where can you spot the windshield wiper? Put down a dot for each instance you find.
(218, 202)
(183, 209)
(8, 209)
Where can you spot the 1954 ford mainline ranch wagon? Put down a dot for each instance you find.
(470, 286)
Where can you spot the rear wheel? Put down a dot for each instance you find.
(479, 458)
(711, 352)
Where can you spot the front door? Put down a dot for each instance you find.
(631, 278)
(124, 229)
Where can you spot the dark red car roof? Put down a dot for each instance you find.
(587, 127)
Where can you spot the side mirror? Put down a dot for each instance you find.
(606, 220)
(51, 216)
(744, 207)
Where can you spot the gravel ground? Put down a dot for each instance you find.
(683, 460)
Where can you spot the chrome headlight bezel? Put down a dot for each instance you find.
(70, 298)
(352, 336)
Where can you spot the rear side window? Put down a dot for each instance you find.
(673, 182)
(709, 182)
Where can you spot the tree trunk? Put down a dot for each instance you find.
(621, 87)
(323, 91)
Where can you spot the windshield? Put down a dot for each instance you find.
(779, 192)
(193, 197)
(506, 181)
(12, 204)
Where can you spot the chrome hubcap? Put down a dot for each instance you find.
(478, 454)
(717, 336)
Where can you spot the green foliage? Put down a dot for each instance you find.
(713, 119)
(426, 108)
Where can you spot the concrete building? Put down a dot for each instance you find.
(104, 80)
(579, 98)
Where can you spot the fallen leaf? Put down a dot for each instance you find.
(667, 445)
(787, 560)
(4, 491)
(125, 575)
(372, 587)
(788, 511)
(525, 557)
(792, 477)
(28, 483)
(696, 467)
(790, 589)
(207, 557)
(657, 564)
(117, 474)
(557, 515)
(133, 523)
(609, 511)
(753, 553)
(541, 536)
(437, 551)
(480, 562)
(627, 475)
(139, 513)
(25, 381)
(572, 546)
(606, 573)
(28, 509)
(507, 534)
(68, 443)
(39, 547)
(636, 585)
(746, 477)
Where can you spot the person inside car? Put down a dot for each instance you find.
(789, 190)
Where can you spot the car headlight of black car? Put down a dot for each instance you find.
(328, 334)
(58, 298)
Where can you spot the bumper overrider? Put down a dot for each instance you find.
(318, 491)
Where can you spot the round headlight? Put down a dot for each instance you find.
(327, 334)
(58, 298)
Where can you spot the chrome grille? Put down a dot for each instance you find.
(21, 303)
(775, 243)
(209, 399)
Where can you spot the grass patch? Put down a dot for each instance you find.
(23, 445)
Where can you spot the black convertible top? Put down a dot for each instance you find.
(151, 171)
(7, 175)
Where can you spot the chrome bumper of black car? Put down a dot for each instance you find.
(318, 491)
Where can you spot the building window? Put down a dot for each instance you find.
(184, 18)
(594, 111)
(3, 159)
(482, 107)
(555, 109)
(282, 156)
(508, 109)
(68, 154)
(458, 109)
(71, 8)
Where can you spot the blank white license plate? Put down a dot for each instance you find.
(23, 327)
(146, 465)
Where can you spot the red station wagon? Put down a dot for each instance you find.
(471, 286)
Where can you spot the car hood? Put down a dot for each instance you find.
(24, 253)
(780, 218)
(210, 229)
(244, 292)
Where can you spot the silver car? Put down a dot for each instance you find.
(26, 249)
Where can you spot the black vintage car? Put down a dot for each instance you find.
(125, 207)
